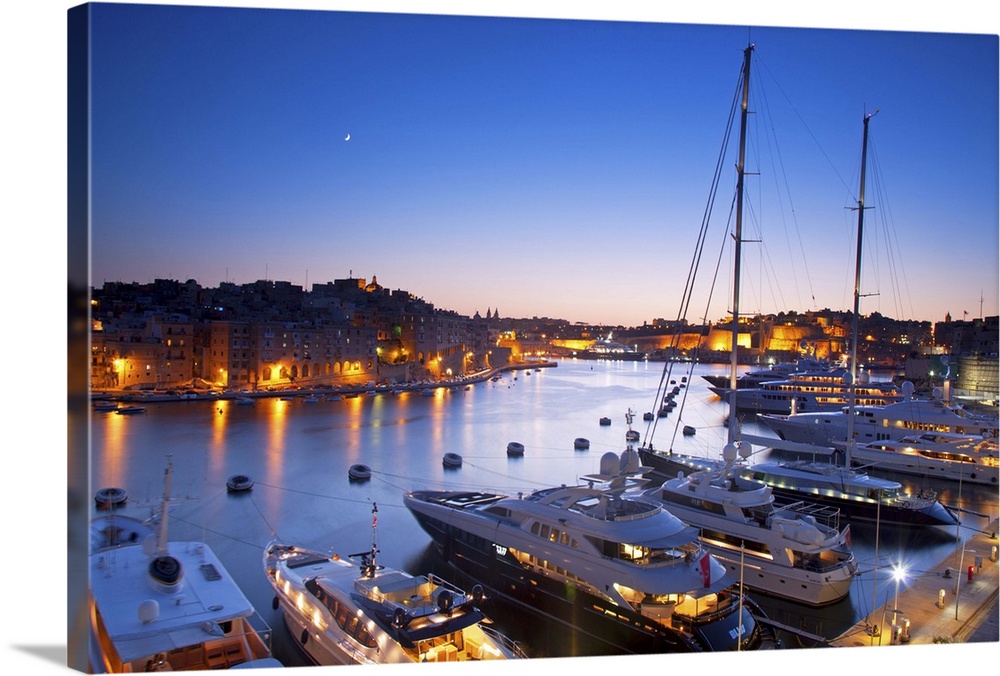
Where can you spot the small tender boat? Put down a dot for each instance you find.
(105, 406)
(689, 431)
(581, 444)
(452, 460)
(111, 497)
(130, 410)
(647, 416)
(359, 472)
(605, 421)
(515, 448)
(349, 610)
(238, 483)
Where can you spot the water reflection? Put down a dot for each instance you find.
(298, 454)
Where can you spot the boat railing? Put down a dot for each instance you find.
(259, 636)
(509, 644)
(824, 514)
(444, 584)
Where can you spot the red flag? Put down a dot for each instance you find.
(706, 569)
(847, 535)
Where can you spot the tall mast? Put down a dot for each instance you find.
(852, 390)
(738, 236)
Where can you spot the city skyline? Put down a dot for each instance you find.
(555, 168)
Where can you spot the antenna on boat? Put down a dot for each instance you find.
(371, 565)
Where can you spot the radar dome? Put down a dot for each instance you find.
(149, 610)
(609, 463)
(630, 461)
(729, 452)
(907, 388)
(745, 450)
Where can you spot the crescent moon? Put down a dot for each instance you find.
(347, 138)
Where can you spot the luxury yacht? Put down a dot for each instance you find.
(757, 377)
(796, 550)
(956, 457)
(618, 571)
(350, 610)
(878, 423)
(854, 492)
(826, 390)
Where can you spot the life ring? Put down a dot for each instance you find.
(905, 504)
(478, 594)
(106, 498)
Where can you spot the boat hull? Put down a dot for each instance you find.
(927, 467)
(851, 508)
(597, 625)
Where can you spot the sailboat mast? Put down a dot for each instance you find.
(738, 236)
(852, 391)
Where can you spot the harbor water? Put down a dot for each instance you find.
(298, 453)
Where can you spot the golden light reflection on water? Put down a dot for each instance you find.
(217, 445)
(277, 435)
(115, 451)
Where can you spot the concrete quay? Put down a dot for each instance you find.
(969, 617)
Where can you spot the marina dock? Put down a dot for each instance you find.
(928, 609)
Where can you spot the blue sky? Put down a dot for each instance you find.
(550, 167)
(638, 167)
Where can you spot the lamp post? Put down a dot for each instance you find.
(898, 573)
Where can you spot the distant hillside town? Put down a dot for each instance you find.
(272, 334)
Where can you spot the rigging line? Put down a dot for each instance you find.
(893, 249)
(310, 493)
(788, 194)
(761, 63)
(696, 258)
(262, 517)
(216, 532)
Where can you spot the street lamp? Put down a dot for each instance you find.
(898, 573)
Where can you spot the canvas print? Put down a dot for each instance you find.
(458, 339)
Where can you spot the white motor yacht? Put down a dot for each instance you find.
(616, 570)
(796, 550)
(810, 391)
(350, 610)
(877, 423)
(957, 457)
